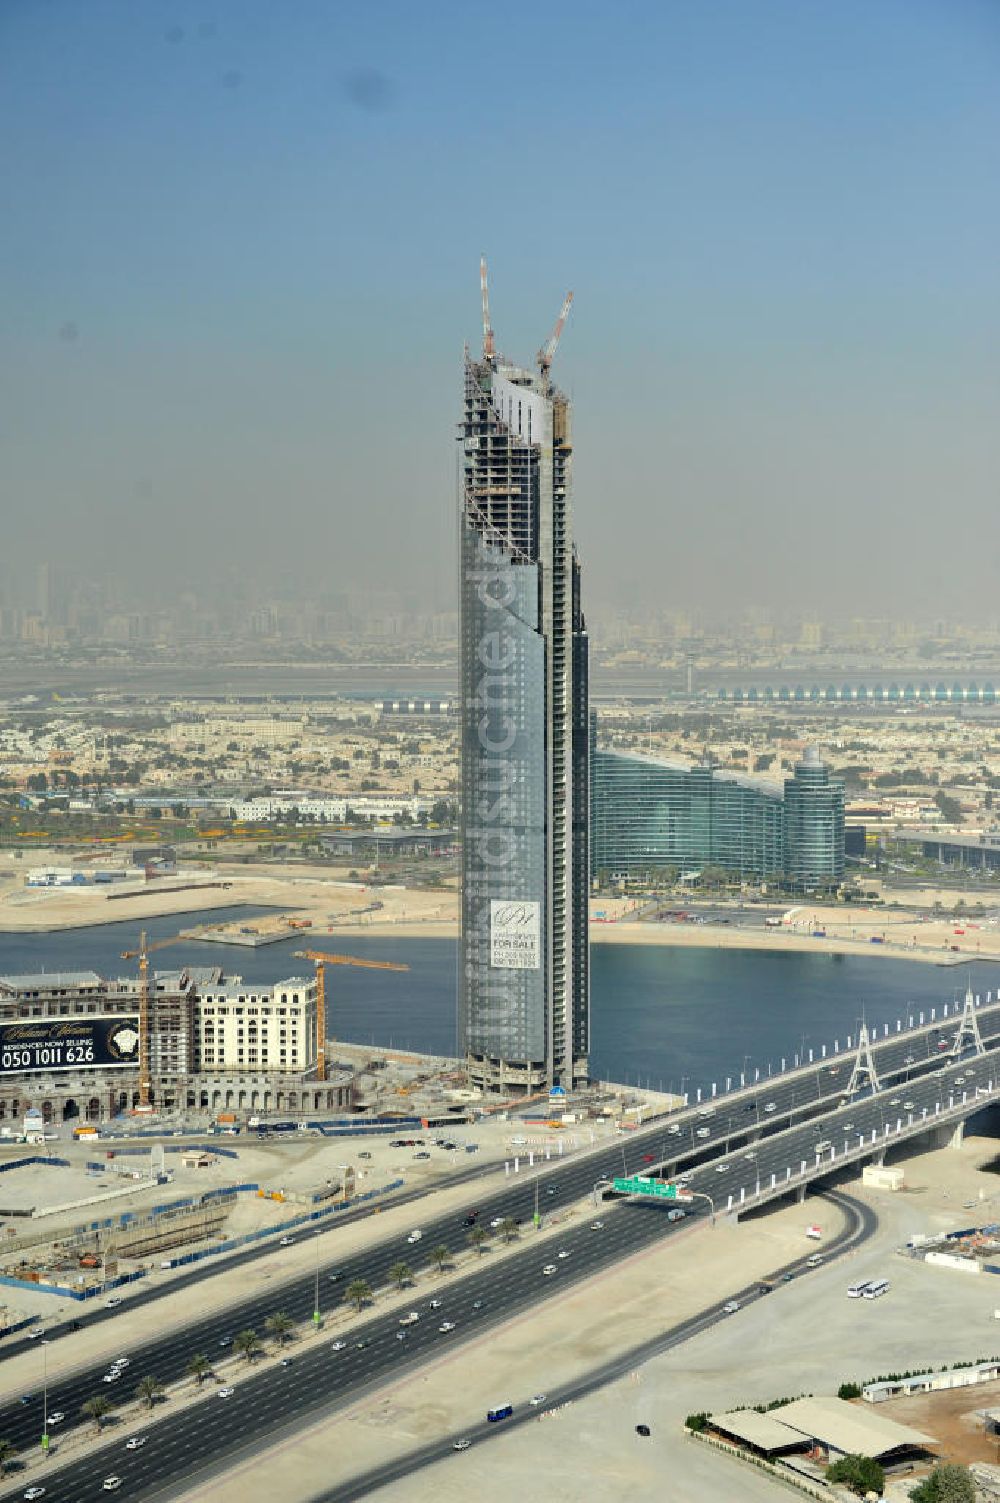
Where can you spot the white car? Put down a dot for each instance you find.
(730, 1307)
(597, 1226)
(908, 1106)
(56, 1418)
(337, 1346)
(703, 1132)
(113, 1302)
(135, 1443)
(750, 1156)
(674, 1127)
(287, 1242)
(121, 1362)
(562, 1253)
(461, 1445)
(536, 1399)
(226, 1393)
(35, 1492)
(771, 1106)
(34, 1335)
(113, 1375)
(722, 1168)
(497, 1221)
(434, 1304)
(447, 1325)
(815, 1260)
(112, 1484)
(549, 1270)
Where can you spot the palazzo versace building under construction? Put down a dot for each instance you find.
(524, 1007)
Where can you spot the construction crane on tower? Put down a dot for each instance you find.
(546, 354)
(142, 955)
(321, 961)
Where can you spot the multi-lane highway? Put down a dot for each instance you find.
(766, 1122)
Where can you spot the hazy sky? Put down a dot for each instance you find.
(239, 260)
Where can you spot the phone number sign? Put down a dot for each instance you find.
(68, 1044)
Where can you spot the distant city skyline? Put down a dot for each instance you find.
(232, 248)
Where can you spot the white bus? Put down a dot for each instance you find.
(878, 1287)
(856, 1291)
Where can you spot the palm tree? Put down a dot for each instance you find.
(7, 1450)
(95, 1409)
(476, 1236)
(149, 1389)
(440, 1255)
(508, 1229)
(358, 1292)
(248, 1343)
(279, 1325)
(199, 1367)
(401, 1274)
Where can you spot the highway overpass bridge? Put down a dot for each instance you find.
(776, 1136)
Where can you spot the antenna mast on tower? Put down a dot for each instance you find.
(489, 347)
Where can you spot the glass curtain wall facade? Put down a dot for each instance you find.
(649, 815)
(524, 984)
(814, 824)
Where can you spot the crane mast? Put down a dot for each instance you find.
(546, 354)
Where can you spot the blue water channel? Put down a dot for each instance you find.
(676, 1017)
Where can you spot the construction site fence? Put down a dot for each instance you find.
(96, 1291)
(35, 1158)
(145, 1153)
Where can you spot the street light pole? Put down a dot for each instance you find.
(45, 1397)
(317, 1317)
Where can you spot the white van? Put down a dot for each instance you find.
(856, 1291)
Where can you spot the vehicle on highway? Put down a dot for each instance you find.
(35, 1492)
(597, 1226)
(34, 1335)
(896, 1101)
(823, 1146)
(908, 1106)
(415, 1236)
(675, 1214)
(122, 1362)
(409, 1319)
(500, 1412)
(549, 1270)
(686, 1177)
(226, 1393)
(225, 1341)
(562, 1253)
(337, 1346)
(287, 1361)
(287, 1242)
(730, 1307)
(551, 1190)
(57, 1417)
(674, 1127)
(876, 1289)
(722, 1168)
(135, 1443)
(771, 1106)
(647, 1158)
(447, 1325)
(337, 1275)
(113, 1302)
(365, 1341)
(702, 1132)
(706, 1111)
(856, 1291)
(536, 1399)
(497, 1221)
(815, 1260)
(477, 1304)
(112, 1484)
(26, 1398)
(461, 1445)
(750, 1156)
(434, 1304)
(113, 1375)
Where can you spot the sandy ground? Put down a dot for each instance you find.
(334, 905)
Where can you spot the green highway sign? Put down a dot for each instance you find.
(649, 1187)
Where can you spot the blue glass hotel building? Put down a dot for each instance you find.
(648, 815)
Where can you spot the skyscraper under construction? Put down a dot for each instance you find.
(524, 987)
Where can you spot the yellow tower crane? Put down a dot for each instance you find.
(142, 955)
(321, 961)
